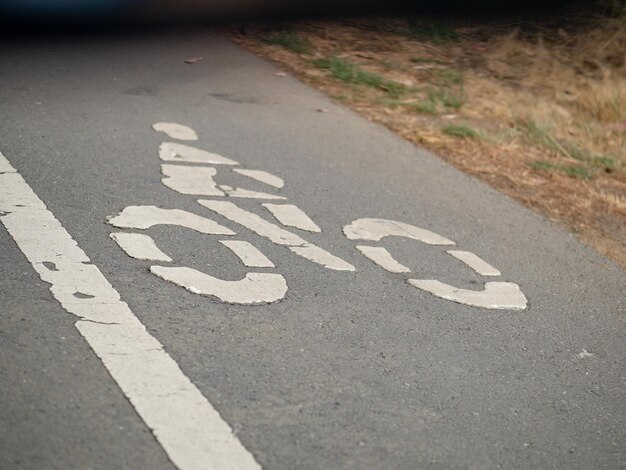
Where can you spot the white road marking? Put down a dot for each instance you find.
(144, 217)
(382, 258)
(175, 131)
(376, 229)
(246, 193)
(189, 429)
(262, 176)
(191, 180)
(292, 216)
(139, 246)
(477, 264)
(496, 295)
(277, 235)
(248, 254)
(254, 289)
(175, 152)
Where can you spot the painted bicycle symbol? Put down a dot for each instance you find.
(193, 171)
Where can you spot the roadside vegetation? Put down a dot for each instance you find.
(535, 107)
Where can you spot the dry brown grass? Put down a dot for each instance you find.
(540, 116)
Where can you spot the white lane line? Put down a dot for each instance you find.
(262, 176)
(190, 180)
(248, 254)
(496, 295)
(376, 229)
(144, 217)
(254, 289)
(175, 152)
(382, 258)
(139, 246)
(189, 429)
(292, 216)
(175, 131)
(277, 235)
(474, 262)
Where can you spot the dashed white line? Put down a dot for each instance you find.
(189, 429)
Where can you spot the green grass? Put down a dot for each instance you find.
(427, 60)
(590, 163)
(288, 40)
(462, 132)
(450, 77)
(446, 98)
(435, 32)
(573, 171)
(350, 73)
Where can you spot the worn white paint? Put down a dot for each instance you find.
(191, 180)
(144, 217)
(246, 193)
(248, 254)
(292, 216)
(255, 288)
(584, 353)
(262, 176)
(139, 246)
(175, 131)
(5, 166)
(382, 258)
(376, 229)
(477, 264)
(321, 256)
(175, 152)
(277, 234)
(189, 429)
(496, 295)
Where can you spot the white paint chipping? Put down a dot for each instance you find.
(255, 288)
(584, 353)
(477, 264)
(144, 217)
(276, 234)
(190, 180)
(496, 295)
(292, 216)
(246, 193)
(376, 229)
(175, 131)
(262, 176)
(175, 152)
(248, 254)
(382, 258)
(189, 429)
(139, 246)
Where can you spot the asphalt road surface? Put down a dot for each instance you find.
(231, 321)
